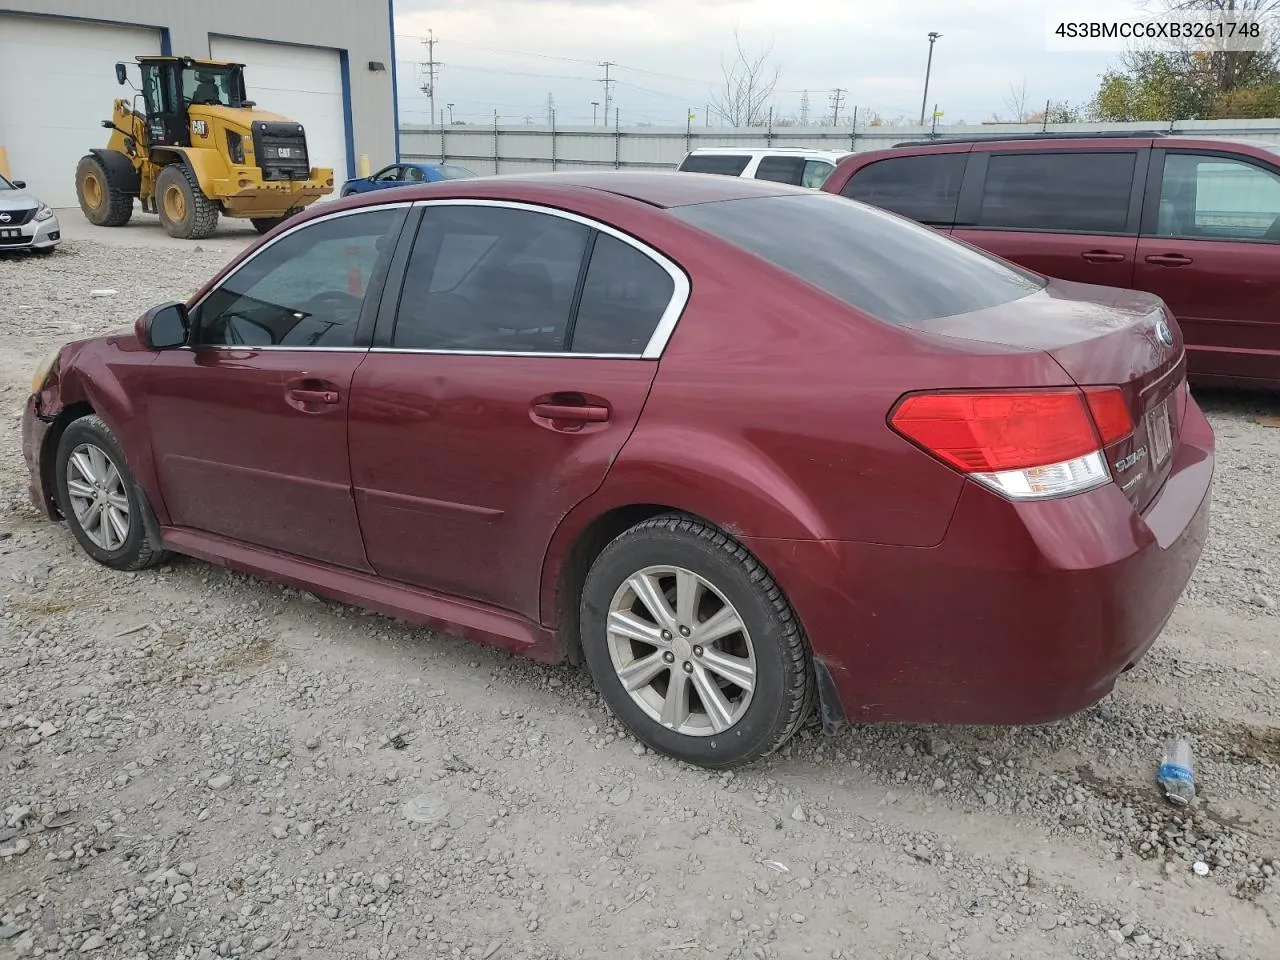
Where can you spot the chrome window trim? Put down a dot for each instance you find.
(681, 288)
(680, 292)
(326, 218)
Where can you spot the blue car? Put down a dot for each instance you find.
(399, 174)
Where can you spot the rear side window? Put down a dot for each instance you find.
(923, 188)
(781, 170)
(1067, 191)
(727, 164)
(889, 268)
(624, 297)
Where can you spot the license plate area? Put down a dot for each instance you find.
(1158, 431)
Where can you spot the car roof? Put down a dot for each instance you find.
(773, 151)
(660, 188)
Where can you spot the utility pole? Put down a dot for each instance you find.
(707, 114)
(928, 67)
(430, 68)
(551, 108)
(836, 96)
(607, 92)
(804, 109)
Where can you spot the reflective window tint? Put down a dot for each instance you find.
(306, 289)
(1067, 191)
(490, 279)
(924, 188)
(727, 164)
(625, 295)
(781, 169)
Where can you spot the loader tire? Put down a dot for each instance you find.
(267, 224)
(102, 197)
(185, 212)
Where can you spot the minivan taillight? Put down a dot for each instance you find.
(1024, 444)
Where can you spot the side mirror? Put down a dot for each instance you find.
(20, 184)
(121, 78)
(163, 327)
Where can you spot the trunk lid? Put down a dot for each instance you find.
(1101, 337)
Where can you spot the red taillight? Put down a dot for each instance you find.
(1110, 412)
(1025, 444)
(991, 432)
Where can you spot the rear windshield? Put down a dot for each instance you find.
(888, 267)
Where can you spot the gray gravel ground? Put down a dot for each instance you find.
(193, 764)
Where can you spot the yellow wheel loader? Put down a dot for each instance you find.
(192, 146)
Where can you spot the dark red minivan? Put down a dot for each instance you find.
(1194, 220)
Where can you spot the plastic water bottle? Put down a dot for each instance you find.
(1174, 775)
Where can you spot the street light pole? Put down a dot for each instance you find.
(933, 38)
(450, 106)
(594, 106)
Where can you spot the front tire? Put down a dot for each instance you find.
(100, 499)
(693, 645)
(185, 212)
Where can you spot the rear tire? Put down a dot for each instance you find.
(185, 211)
(267, 224)
(100, 499)
(743, 691)
(102, 198)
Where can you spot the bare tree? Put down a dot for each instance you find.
(749, 79)
(1016, 102)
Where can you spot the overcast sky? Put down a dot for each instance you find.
(509, 55)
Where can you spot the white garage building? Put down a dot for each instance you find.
(329, 64)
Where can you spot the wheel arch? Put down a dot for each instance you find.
(120, 168)
(48, 452)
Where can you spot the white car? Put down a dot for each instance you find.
(25, 222)
(799, 166)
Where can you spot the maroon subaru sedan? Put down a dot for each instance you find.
(741, 447)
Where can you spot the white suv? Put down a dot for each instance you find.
(800, 166)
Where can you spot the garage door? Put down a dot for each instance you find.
(301, 83)
(57, 84)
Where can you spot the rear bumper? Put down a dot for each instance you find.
(34, 433)
(1025, 613)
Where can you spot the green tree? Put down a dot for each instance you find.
(1181, 82)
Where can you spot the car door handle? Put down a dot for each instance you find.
(313, 396)
(1102, 256)
(1168, 260)
(576, 412)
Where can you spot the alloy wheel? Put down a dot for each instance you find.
(681, 650)
(97, 494)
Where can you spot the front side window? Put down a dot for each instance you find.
(387, 175)
(781, 170)
(1065, 191)
(924, 188)
(890, 268)
(207, 85)
(490, 279)
(815, 174)
(1217, 198)
(306, 289)
(726, 164)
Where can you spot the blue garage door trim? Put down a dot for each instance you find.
(166, 48)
